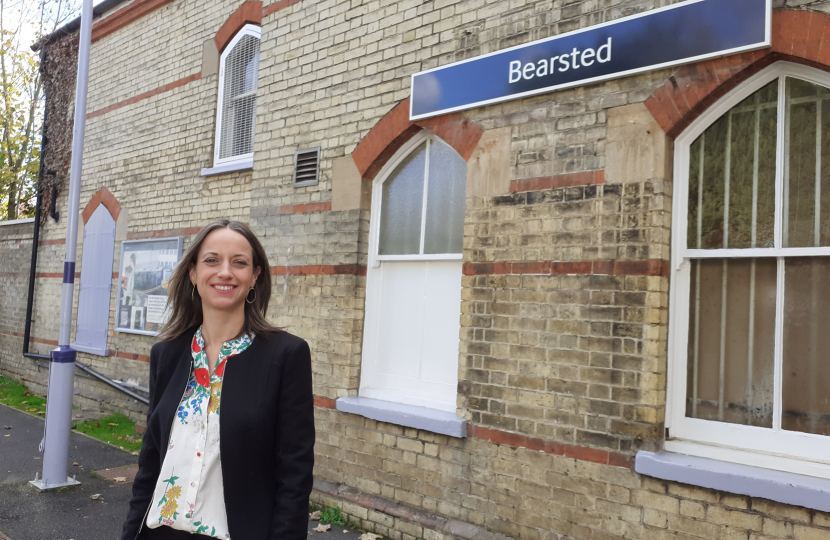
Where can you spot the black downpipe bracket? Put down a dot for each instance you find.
(27, 332)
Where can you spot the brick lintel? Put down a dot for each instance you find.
(613, 268)
(325, 403)
(582, 453)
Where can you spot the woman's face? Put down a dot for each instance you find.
(224, 270)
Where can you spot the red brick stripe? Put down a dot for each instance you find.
(320, 270)
(304, 208)
(581, 453)
(273, 8)
(52, 242)
(13, 275)
(326, 403)
(125, 16)
(145, 95)
(131, 356)
(614, 268)
(560, 180)
(164, 233)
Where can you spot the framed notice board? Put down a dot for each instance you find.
(145, 270)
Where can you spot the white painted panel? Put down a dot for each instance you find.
(96, 280)
(411, 336)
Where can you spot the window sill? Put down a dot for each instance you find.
(90, 350)
(783, 487)
(412, 416)
(230, 167)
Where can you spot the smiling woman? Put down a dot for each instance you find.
(219, 349)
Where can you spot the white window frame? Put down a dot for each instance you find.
(403, 152)
(242, 159)
(770, 448)
(368, 387)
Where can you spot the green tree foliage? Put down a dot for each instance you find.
(22, 22)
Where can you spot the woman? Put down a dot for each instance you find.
(228, 451)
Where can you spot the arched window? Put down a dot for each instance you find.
(749, 340)
(413, 297)
(96, 283)
(236, 109)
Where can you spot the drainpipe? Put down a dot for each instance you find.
(27, 332)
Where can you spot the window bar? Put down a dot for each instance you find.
(424, 205)
(814, 344)
(696, 353)
(722, 366)
(750, 355)
(817, 234)
(785, 209)
(781, 173)
(727, 174)
(727, 169)
(779, 347)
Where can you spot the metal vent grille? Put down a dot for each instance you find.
(241, 72)
(307, 167)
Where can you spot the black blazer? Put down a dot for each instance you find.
(266, 435)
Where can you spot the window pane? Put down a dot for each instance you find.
(731, 341)
(806, 369)
(239, 98)
(446, 194)
(732, 177)
(807, 183)
(401, 206)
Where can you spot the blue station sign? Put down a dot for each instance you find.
(683, 33)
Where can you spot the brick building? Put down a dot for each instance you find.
(517, 330)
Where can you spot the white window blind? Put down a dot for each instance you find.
(238, 75)
(96, 283)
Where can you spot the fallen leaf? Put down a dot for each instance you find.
(7, 435)
(369, 536)
(134, 453)
(24, 402)
(74, 463)
(95, 497)
(113, 424)
(7, 427)
(120, 478)
(345, 531)
(314, 516)
(322, 528)
(33, 409)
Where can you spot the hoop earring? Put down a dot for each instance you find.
(249, 292)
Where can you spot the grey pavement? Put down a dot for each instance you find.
(70, 513)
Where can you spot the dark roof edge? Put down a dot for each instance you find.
(75, 23)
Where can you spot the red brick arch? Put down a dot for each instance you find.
(395, 129)
(248, 13)
(797, 36)
(102, 196)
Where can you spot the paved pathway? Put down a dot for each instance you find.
(69, 513)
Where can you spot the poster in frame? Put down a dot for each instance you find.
(145, 269)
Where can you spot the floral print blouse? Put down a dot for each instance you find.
(189, 493)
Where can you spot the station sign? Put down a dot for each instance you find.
(682, 33)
